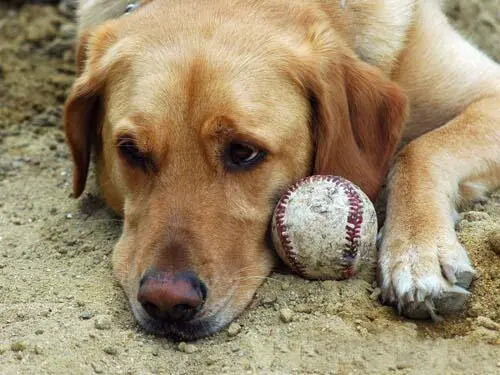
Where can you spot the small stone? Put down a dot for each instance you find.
(97, 368)
(62, 250)
(303, 308)
(102, 322)
(282, 348)
(58, 46)
(69, 216)
(310, 352)
(211, 360)
(268, 300)
(67, 8)
(86, 315)
(475, 216)
(87, 248)
(233, 329)
(403, 365)
(38, 349)
(246, 364)
(487, 323)
(285, 286)
(187, 348)
(463, 224)
(286, 315)
(111, 350)
(494, 241)
(18, 346)
(377, 292)
(67, 31)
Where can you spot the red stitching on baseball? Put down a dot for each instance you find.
(284, 239)
(353, 226)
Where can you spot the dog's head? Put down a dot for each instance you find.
(199, 120)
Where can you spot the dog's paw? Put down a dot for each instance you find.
(427, 278)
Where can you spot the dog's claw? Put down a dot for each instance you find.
(448, 302)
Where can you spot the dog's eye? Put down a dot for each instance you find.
(240, 156)
(129, 151)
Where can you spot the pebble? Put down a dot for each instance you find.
(87, 248)
(303, 308)
(102, 322)
(211, 360)
(403, 365)
(233, 329)
(111, 350)
(282, 348)
(377, 292)
(67, 8)
(67, 31)
(187, 348)
(17, 346)
(86, 315)
(494, 241)
(487, 323)
(39, 332)
(475, 216)
(58, 47)
(38, 349)
(268, 300)
(286, 315)
(97, 368)
(285, 286)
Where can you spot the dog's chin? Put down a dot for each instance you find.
(205, 324)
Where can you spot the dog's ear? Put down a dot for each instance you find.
(358, 116)
(81, 109)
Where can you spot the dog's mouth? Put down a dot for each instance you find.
(207, 322)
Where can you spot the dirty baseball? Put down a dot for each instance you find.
(325, 227)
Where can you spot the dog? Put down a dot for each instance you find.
(200, 114)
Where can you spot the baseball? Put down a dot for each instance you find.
(325, 227)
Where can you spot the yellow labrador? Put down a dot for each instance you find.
(200, 114)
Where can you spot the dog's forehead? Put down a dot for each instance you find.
(197, 85)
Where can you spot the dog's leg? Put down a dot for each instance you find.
(423, 268)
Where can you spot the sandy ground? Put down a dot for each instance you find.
(61, 312)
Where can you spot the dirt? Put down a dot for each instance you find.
(61, 311)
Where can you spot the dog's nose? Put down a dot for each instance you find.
(171, 296)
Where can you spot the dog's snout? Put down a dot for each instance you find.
(170, 296)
